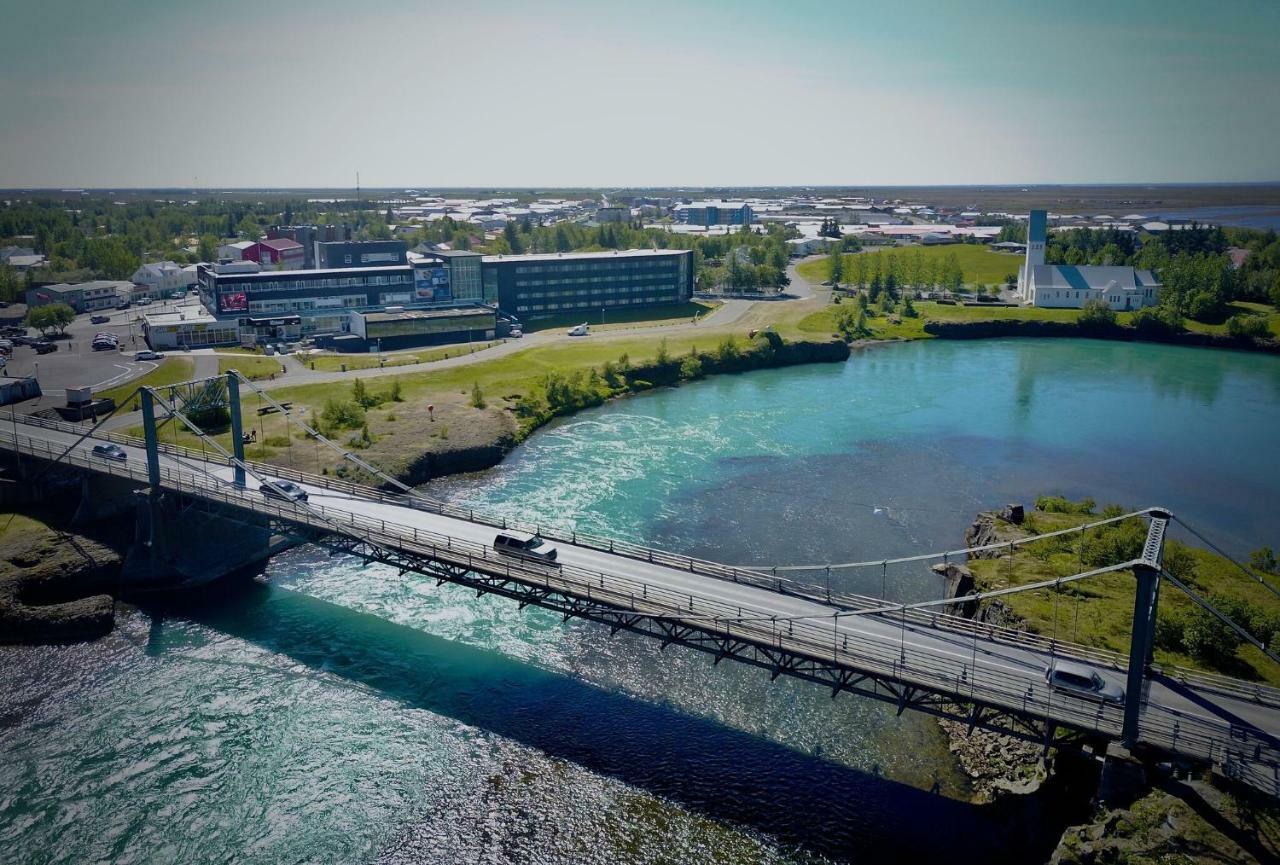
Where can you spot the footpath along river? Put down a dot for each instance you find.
(332, 711)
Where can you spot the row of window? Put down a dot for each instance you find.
(628, 263)
(584, 304)
(595, 292)
(591, 280)
(313, 284)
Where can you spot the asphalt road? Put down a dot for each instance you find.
(76, 364)
(1015, 670)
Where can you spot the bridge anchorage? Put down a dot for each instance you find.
(206, 507)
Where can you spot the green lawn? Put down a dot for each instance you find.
(170, 371)
(1239, 307)
(981, 266)
(1099, 611)
(824, 321)
(253, 368)
(615, 318)
(335, 362)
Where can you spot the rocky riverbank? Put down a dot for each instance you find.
(56, 585)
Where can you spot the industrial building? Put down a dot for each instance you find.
(395, 328)
(708, 213)
(533, 286)
(1072, 286)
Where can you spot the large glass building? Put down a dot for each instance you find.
(537, 286)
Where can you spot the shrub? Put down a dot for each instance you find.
(1157, 320)
(1060, 505)
(663, 357)
(342, 414)
(361, 395)
(728, 351)
(395, 394)
(1263, 559)
(477, 396)
(1096, 315)
(691, 368)
(1207, 638)
(1251, 326)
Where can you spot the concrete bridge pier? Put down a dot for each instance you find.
(178, 547)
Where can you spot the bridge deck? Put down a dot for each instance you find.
(1237, 727)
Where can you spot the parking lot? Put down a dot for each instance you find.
(76, 364)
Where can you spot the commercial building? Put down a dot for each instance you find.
(394, 328)
(361, 253)
(452, 274)
(707, 213)
(188, 328)
(1072, 286)
(81, 296)
(613, 214)
(534, 286)
(280, 254)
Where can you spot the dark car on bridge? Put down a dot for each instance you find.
(526, 546)
(1082, 681)
(110, 452)
(286, 490)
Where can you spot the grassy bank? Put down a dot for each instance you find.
(336, 362)
(170, 371)
(1099, 611)
(981, 266)
(254, 368)
(464, 413)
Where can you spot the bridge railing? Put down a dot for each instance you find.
(1255, 692)
(1253, 756)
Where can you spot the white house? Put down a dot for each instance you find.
(1071, 286)
(158, 278)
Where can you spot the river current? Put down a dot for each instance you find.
(332, 711)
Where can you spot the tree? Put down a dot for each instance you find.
(1251, 326)
(477, 396)
(835, 265)
(860, 271)
(51, 317)
(1263, 559)
(513, 238)
(9, 283)
(208, 248)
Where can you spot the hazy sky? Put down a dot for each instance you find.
(589, 92)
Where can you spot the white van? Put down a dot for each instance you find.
(580, 330)
(525, 545)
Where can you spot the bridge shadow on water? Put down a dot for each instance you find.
(700, 764)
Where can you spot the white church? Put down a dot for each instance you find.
(1070, 285)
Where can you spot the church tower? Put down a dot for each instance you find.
(1037, 230)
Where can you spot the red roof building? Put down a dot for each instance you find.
(278, 254)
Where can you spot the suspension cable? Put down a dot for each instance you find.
(1222, 617)
(1248, 573)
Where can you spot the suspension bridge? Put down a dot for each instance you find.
(922, 656)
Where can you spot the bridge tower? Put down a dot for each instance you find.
(1142, 639)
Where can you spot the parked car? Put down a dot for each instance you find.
(286, 490)
(516, 333)
(45, 347)
(99, 319)
(104, 345)
(1081, 680)
(580, 330)
(143, 301)
(124, 304)
(148, 355)
(110, 452)
(526, 546)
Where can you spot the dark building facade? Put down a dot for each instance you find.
(361, 253)
(537, 286)
(309, 236)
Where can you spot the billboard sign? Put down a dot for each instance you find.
(431, 283)
(236, 301)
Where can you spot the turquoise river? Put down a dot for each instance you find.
(332, 711)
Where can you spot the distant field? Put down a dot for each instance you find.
(981, 266)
